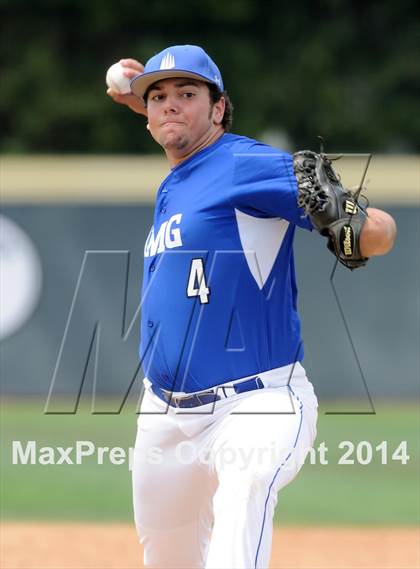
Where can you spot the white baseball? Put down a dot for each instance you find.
(116, 80)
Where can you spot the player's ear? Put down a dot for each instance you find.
(219, 111)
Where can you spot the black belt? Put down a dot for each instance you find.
(209, 396)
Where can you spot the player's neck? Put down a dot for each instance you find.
(176, 157)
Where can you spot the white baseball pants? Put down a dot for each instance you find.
(205, 480)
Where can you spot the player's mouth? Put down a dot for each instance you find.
(165, 123)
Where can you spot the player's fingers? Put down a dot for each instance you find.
(111, 93)
(117, 97)
(133, 102)
(130, 73)
(133, 63)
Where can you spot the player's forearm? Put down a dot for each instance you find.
(378, 233)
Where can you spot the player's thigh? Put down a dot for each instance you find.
(170, 487)
(266, 431)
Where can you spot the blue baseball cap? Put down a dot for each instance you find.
(177, 61)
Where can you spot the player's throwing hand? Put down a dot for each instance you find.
(132, 68)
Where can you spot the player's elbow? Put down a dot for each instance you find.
(378, 234)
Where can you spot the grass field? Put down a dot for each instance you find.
(330, 494)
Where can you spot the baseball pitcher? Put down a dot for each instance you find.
(228, 413)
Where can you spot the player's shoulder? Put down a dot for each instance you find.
(250, 147)
(255, 161)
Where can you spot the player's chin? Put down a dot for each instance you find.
(173, 140)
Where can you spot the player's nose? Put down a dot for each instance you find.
(170, 104)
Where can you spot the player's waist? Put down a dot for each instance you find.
(293, 374)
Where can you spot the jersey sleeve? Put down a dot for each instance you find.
(264, 185)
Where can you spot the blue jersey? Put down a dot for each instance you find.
(219, 289)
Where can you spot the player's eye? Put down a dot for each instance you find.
(188, 95)
(157, 97)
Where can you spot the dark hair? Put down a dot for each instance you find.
(215, 96)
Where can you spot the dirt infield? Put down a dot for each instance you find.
(95, 546)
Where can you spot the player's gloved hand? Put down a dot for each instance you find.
(331, 208)
(132, 68)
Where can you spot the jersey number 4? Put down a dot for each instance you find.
(197, 285)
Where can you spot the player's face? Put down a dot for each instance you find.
(181, 117)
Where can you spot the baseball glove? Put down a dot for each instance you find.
(331, 208)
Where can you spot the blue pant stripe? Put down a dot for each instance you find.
(277, 471)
